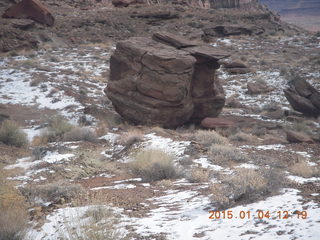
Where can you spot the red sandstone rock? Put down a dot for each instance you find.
(216, 122)
(121, 3)
(298, 137)
(257, 88)
(32, 9)
(152, 83)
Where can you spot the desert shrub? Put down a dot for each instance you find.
(198, 175)
(10, 134)
(153, 165)
(102, 128)
(207, 138)
(246, 182)
(57, 192)
(245, 185)
(303, 169)
(56, 129)
(219, 196)
(242, 137)
(224, 153)
(131, 137)
(299, 127)
(80, 134)
(35, 82)
(13, 211)
(98, 223)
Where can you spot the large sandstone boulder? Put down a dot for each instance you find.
(164, 81)
(32, 9)
(303, 97)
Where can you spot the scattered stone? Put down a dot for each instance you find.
(162, 15)
(122, 3)
(297, 137)
(257, 88)
(216, 122)
(173, 40)
(235, 64)
(238, 70)
(236, 67)
(32, 9)
(233, 102)
(211, 32)
(152, 83)
(23, 24)
(277, 114)
(303, 97)
(15, 39)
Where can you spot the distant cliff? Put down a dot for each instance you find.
(228, 3)
(301, 7)
(304, 13)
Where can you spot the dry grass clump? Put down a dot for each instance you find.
(207, 138)
(10, 134)
(130, 137)
(80, 134)
(57, 192)
(97, 223)
(240, 186)
(226, 153)
(153, 165)
(303, 169)
(244, 185)
(198, 175)
(242, 137)
(102, 128)
(13, 211)
(35, 82)
(219, 195)
(57, 127)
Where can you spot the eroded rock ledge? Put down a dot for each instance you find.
(165, 81)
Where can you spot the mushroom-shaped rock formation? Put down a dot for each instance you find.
(165, 81)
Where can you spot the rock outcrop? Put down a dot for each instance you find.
(211, 32)
(236, 67)
(303, 97)
(32, 9)
(165, 80)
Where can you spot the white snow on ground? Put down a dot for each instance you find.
(302, 180)
(64, 221)
(205, 163)
(111, 137)
(117, 186)
(190, 216)
(176, 148)
(53, 68)
(248, 166)
(27, 164)
(31, 133)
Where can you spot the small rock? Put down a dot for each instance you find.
(233, 102)
(216, 122)
(235, 64)
(277, 114)
(23, 24)
(257, 88)
(121, 3)
(297, 137)
(238, 70)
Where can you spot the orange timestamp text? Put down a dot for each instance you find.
(260, 214)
